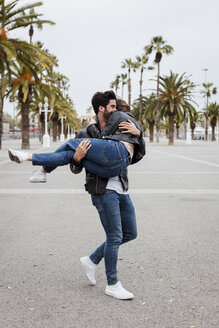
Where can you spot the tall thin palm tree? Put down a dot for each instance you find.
(208, 91)
(124, 82)
(159, 46)
(141, 63)
(130, 66)
(115, 83)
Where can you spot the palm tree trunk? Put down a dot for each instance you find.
(158, 105)
(140, 96)
(171, 129)
(213, 132)
(206, 121)
(177, 131)
(25, 111)
(55, 126)
(1, 111)
(193, 129)
(151, 131)
(129, 88)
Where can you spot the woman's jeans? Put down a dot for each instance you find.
(117, 215)
(105, 158)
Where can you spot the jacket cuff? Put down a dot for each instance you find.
(76, 169)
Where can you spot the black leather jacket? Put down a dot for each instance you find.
(113, 132)
(96, 185)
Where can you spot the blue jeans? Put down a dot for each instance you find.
(105, 158)
(117, 216)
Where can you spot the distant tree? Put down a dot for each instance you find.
(207, 91)
(213, 112)
(175, 99)
(140, 64)
(159, 46)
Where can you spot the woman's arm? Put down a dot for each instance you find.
(130, 127)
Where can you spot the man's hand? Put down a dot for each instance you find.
(130, 127)
(81, 151)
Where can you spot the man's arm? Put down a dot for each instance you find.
(75, 165)
(81, 151)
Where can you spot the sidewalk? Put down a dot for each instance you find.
(170, 267)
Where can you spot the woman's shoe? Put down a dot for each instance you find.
(17, 156)
(38, 177)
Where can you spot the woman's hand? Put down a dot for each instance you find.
(130, 127)
(81, 151)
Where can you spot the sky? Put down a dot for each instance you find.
(91, 38)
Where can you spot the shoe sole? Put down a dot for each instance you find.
(84, 267)
(13, 158)
(117, 297)
(37, 181)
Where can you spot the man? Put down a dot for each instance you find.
(109, 196)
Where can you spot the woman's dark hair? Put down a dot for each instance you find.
(102, 99)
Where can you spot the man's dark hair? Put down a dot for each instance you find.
(102, 99)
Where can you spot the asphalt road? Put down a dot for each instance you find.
(171, 267)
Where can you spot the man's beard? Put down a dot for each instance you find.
(106, 115)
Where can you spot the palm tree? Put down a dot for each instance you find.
(11, 18)
(150, 114)
(141, 64)
(159, 46)
(194, 119)
(175, 99)
(124, 82)
(26, 79)
(207, 92)
(127, 63)
(115, 83)
(213, 111)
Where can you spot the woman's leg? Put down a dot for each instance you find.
(105, 158)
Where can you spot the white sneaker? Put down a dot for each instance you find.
(38, 177)
(118, 291)
(17, 156)
(89, 268)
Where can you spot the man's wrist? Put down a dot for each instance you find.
(77, 160)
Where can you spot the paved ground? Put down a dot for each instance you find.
(170, 267)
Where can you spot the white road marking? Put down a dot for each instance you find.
(186, 158)
(130, 172)
(131, 191)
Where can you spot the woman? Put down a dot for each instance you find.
(105, 157)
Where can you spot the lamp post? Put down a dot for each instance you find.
(62, 137)
(68, 135)
(72, 133)
(46, 137)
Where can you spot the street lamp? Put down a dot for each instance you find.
(46, 137)
(72, 133)
(62, 137)
(68, 135)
